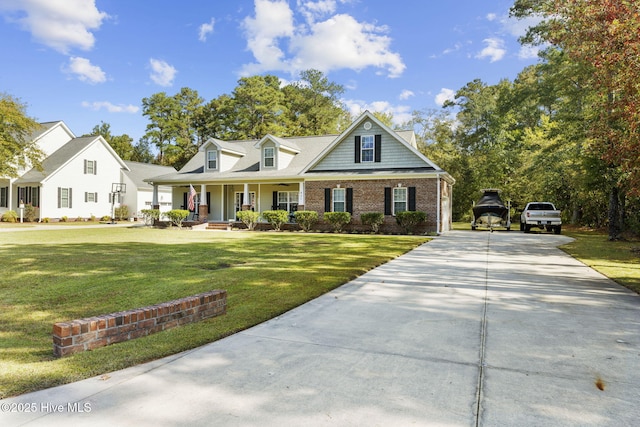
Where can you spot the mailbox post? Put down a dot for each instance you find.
(21, 206)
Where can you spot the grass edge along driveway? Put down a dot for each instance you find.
(59, 275)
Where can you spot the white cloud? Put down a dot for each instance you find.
(406, 94)
(112, 108)
(313, 10)
(528, 52)
(205, 30)
(59, 24)
(85, 71)
(518, 27)
(494, 50)
(444, 95)
(273, 20)
(161, 72)
(491, 16)
(335, 43)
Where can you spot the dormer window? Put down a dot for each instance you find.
(269, 157)
(367, 148)
(212, 159)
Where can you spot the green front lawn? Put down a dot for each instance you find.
(59, 275)
(618, 260)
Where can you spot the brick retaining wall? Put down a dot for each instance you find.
(93, 332)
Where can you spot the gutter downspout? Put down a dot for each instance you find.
(438, 206)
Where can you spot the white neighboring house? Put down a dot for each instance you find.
(76, 178)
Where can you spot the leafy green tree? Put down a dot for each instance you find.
(602, 38)
(313, 105)
(121, 144)
(259, 107)
(17, 148)
(161, 111)
(172, 128)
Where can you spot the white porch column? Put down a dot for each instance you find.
(154, 200)
(301, 202)
(203, 210)
(246, 199)
(439, 197)
(223, 191)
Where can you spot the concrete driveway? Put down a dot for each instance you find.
(471, 329)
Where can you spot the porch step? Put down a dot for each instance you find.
(217, 225)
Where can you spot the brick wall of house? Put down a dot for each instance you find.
(368, 196)
(90, 333)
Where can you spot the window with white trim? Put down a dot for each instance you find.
(399, 199)
(269, 157)
(64, 200)
(367, 146)
(90, 167)
(212, 159)
(338, 200)
(91, 197)
(288, 201)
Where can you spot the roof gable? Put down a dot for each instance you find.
(392, 150)
(64, 155)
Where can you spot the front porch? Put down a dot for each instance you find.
(219, 203)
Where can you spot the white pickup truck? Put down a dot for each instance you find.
(542, 215)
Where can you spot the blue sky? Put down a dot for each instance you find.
(86, 61)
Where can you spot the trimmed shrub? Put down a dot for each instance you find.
(276, 218)
(337, 220)
(106, 218)
(248, 218)
(64, 218)
(373, 220)
(122, 212)
(409, 220)
(177, 216)
(306, 219)
(29, 213)
(10, 216)
(150, 215)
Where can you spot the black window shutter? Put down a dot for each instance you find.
(86, 196)
(85, 166)
(95, 167)
(185, 205)
(327, 200)
(357, 148)
(70, 200)
(59, 197)
(95, 197)
(378, 148)
(387, 200)
(350, 200)
(275, 200)
(208, 202)
(412, 198)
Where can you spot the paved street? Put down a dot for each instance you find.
(471, 329)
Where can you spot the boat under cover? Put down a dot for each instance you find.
(490, 210)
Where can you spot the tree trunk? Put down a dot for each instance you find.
(615, 226)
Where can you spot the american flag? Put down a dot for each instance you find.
(191, 202)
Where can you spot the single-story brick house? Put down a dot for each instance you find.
(367, 168)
